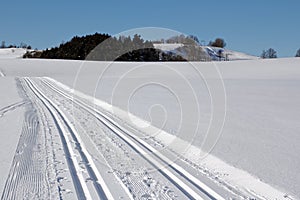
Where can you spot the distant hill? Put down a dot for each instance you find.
(229, 55)
(103, 47)
(6, 53)
(190, 52)
(205, 53)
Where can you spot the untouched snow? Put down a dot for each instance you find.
(8, 53)
(231, 55)
(258, 148)
(168, 47)
(235, 55)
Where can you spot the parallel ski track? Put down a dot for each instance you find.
(12, 107)
(61, 122)
(26, 176)
(147, 152)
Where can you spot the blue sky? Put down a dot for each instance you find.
(248, 26)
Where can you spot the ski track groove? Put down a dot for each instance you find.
(129, 138)
(53, 186)
(74, 165)
(74, 170)
(12, 107)
(25, 178)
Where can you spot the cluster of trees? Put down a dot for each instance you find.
(270, 53)
(22, 45)
(103, 47)
(124, 48)
(219, 42)
(77, 48)
(193, 53)
(193, 40)
(186, 40)
(33, 54)
(191, 50)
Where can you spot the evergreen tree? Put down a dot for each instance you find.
(263, 54)
(270, 53)
(219, 42)
(298, 53)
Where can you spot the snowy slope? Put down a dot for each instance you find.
(212, 51)
(258, 147)
(167, 47)
(12, 53)
(232, 55)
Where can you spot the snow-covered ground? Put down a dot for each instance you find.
(12, 53)
(211, 51)
(256, 154)
(167, 47)
(230, 54)
(11, 121)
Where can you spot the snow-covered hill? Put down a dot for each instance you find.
(12, 53)
(8, 53)
(230, 54)
(167, 47)
(212, 52)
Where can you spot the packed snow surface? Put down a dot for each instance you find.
(257, 103)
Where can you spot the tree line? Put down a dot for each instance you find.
(271, 53)
(192, 39)
(103, 47)
(125, 48)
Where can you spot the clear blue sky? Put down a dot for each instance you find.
(248, 26)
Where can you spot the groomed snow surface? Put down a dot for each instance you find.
(63, 139)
